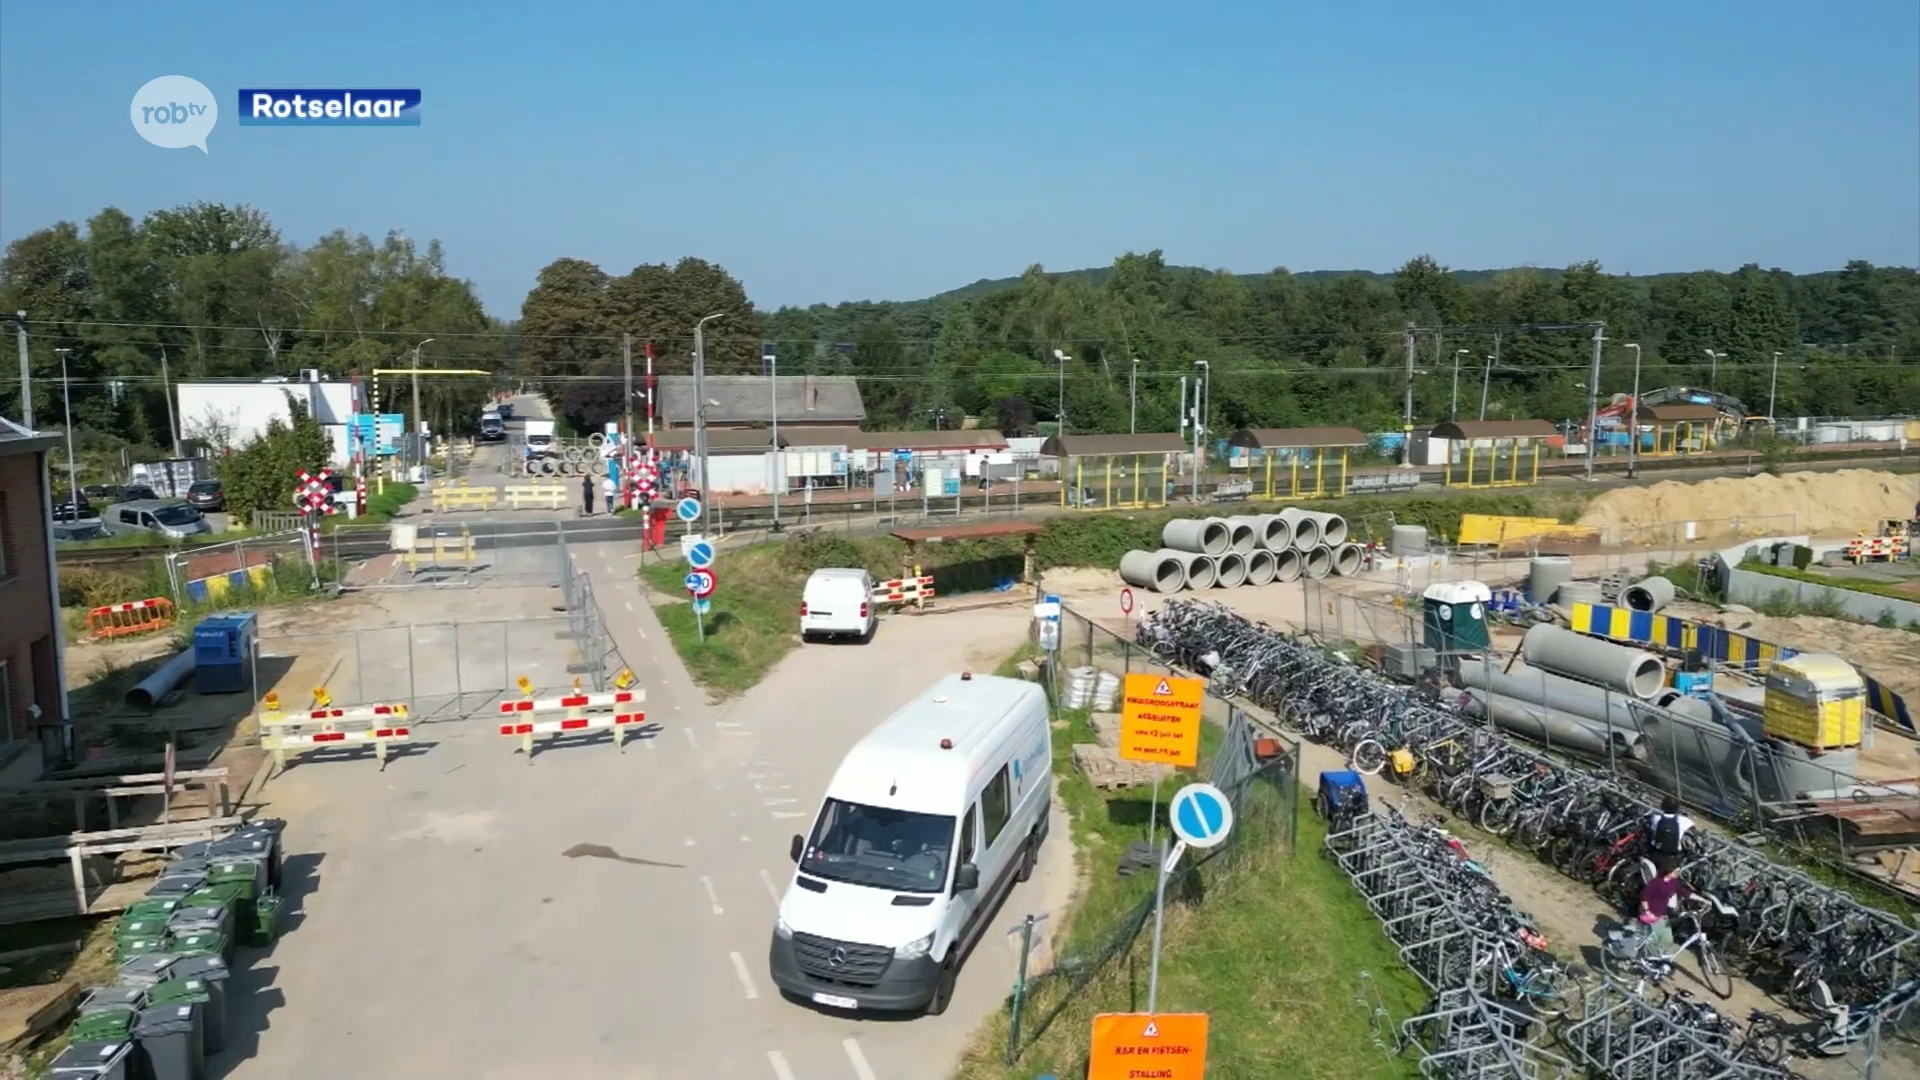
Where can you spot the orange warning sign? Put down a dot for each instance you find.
(1136, 1046)
(1160, 720)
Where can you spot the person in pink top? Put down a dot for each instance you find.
(1657, 902)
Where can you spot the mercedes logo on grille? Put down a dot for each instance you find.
(837, 957)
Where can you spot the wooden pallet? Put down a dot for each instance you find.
(29, 1010)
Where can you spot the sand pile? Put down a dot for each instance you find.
(1816, 503)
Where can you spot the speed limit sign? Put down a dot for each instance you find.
(1126, 601)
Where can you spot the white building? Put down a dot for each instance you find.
(229, 415)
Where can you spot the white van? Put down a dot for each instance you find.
(838, 601)
(925, 828)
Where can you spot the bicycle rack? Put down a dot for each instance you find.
(1624, 1036)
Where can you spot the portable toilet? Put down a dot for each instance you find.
(1816, 700)
(1455, 616)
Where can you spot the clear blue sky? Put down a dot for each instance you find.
(828, 152)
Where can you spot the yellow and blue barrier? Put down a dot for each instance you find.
(1671, 633)
(210, 589)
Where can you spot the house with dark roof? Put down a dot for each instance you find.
(749, 401)
(32, 684)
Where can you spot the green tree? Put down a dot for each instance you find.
(263, 474)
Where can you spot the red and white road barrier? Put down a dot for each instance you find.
(904, 590)
(331, 728)
(619, 711)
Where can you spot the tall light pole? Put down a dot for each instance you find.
(1773, 389)
(66, 400)
(1453, 408)
(1060, 416)
(1593, 393)
(420, 446)
(1202, 401)
(700, 399)
(1486, 379)
(1133, 399)
(26, 373)
(779, 457)
(1713, 369)
(1633, 412)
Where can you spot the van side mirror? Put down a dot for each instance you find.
(967, 878)
(794, 849)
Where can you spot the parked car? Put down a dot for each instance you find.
(137, 492)
(207, 496)
(104, 494)
(73, 507)
(74, 532)
(838, 602)
(172, 519)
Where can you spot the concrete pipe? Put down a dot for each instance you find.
(1206, 536)
(1560, 730)
(1163, 571)
(1648, 594)
(1545, 575)
(1304, 529)
(1333, 527)
(1229, 570)
(1534, 686)
(1407, 540)
(597, 440)
(1346, 560)
(1260, 567)
(155, 687)
(1579, 592)
(1286, 566)
(1275, 533)
(1317, 563)
(599, 467)
(1243, 534)
(1617, 667)
(1199, 570)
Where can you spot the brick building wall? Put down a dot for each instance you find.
(28, 666)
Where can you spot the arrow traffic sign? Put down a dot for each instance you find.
(1201, 815)
(700, 554)
(687, 509)
(701, 607)
(701, 583)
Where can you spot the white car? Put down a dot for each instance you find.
(838, 602)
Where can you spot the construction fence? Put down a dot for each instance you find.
(1101, 963)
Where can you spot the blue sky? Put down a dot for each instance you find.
(857, 151)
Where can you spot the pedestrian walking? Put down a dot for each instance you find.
(586, 495)
(613, 501)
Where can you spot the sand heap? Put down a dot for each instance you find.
(1816, 503)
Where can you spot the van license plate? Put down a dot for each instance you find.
(835, 1002)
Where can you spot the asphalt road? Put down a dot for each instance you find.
(596, 913)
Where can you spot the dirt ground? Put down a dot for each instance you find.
(1891, 656)
(1840, 502)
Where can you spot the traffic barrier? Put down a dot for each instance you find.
(133, 617)
(1867, 549)
(464, 498)
(328, 727)
(538, 496)
(615, 710)
(439, 550)
(216, 587)
(912, 590)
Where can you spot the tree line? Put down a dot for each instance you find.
(222, 295)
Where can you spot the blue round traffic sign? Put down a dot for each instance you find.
(1201, 815)
(700, 554)
(701, 583)
(687, 509)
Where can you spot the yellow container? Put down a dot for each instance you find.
(1817, 700)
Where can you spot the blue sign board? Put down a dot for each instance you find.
(376, 435)
(700, 554)
(695, 582)
(1201, 815)
(701, 607)
(687, 509)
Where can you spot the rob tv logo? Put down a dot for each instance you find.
(175, 112)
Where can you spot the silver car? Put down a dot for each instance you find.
(170, 518)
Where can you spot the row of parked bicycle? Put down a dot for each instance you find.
(1498, 987)
(1842, 962)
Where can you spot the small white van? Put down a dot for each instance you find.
(926, 826)
(838, 602)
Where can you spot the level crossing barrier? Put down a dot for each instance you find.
(327, 727)
(913, 590)
(536, 496)
(463, 497)
(619, 711)
(133, 617)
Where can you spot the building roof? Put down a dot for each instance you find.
(744, 399)
(1677, 413)
(1114, 445)
(855, 439)
(1296, 438)
(720, 440)
(15, 439)
(1493, 429)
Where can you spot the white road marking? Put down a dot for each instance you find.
(643, 632)
(712, 896)
(745, 839)
(777, 802)
(691, 737)
(860, 1067)
(689, 841)
(772, 893)
(779, 816)
(629, 605)
(779, 1062)
(746, 984)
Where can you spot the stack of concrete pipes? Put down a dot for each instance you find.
(1259, 549)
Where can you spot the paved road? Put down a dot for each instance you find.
(597, 914)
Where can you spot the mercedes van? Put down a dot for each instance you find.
(925, 828)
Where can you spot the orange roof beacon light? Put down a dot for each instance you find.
(946, 744)
(966, 676)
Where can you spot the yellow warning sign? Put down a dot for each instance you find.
(1136, 1046)
(1160, 720)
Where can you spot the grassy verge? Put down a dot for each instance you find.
(1851, 584)
(383, 505)
(752, 624)
(1272, 948)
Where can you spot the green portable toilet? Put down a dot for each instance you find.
(1455, 616)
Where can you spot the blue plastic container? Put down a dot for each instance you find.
(223, 652)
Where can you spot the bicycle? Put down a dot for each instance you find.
(1630, 953)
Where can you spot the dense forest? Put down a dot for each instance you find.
(220, 294)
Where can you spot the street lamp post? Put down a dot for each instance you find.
(1773, 387)
(1060, 415)
(1133, 398)
(1202, 401)
(700, 402)
(66, 399)
(1486, 380)
(1633, 413)
(779, 480)
(420, 456)
(1453, 405)
(1713, 369)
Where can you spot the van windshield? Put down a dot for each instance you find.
(887, 849)
(176, 514)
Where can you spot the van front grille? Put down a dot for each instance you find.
(841, 961)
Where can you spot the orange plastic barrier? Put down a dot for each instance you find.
(134, 617)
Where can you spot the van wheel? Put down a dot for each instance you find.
(1029, 855)
(943, 989)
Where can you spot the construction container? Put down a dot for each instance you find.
(223, 653)
(1816, 700)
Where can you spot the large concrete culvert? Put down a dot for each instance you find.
(1229, 570)
(1317, 563)
(1260, 567)
(1206, 536)
(1163, 571)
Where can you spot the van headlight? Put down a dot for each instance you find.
(914, 950)
(781, 930)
